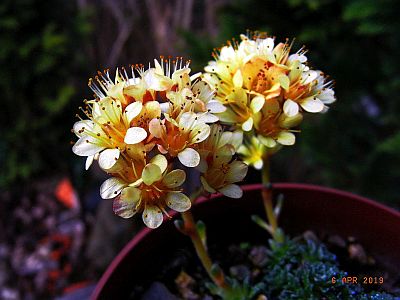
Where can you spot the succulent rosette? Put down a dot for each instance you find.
(140, 123)
(266, 90)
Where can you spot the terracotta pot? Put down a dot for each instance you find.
(323, 210)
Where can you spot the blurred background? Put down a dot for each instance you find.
(55, 231)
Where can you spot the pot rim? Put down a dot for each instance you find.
(248, 187)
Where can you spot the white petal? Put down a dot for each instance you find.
(108, 158)
(174, 178)
(309, 76)
(226, 138)
(89, 161)
(258, 164)
(135, 135)
(232, 191)
(81, 127)
(178, 201)
(312, 105)
(257, 103)
(238, 79)
(86, 146)
(125, 206)
(290, 108)
(111, 187)
(327, 96)
(189, 157)
(160, 161)
(199, 133)
(248, 125)
(151, 173)
(215, 106)
(209, 118)
(133, 110)
(152, 216)
(286, 138)
(165, 107)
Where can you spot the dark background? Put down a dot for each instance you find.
(49, 49)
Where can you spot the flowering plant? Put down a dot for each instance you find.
(141, 126)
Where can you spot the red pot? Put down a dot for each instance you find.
(324, 210)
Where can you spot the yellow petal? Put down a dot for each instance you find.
(238, 79)
(257, 103)
(160, 161)
(151, 173)
(174, 178)
(248, 125)
(286, 138)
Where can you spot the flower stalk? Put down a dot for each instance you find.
(191, 230)
(266, 192)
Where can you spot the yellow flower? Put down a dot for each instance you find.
(217, 139)
(107, 132)
(265, 87)
(155, 190)
(253, 153)
(179, 138)
(223, 173)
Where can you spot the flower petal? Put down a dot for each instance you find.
(290, 108)
(86, 146)
(152, 216)
(237, 171)
(160, 161)
(108, 158)
(206, 186)
(232, 191)
(111, 187)
(89, 161)
(199, 133)
(174, 178)
(125, 206)
(81, 127)
(215, 107)
(151, 173)
(133, 110)
(267, 141)
(178, 201)
(286, 138)
(257, 103)
(312, 105)
(248, 125)
(189, 157)
(284, 81)
(237, 79)
(156, 128)
(135, 135)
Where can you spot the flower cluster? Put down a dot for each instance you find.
(266, 90)
(141, 122)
